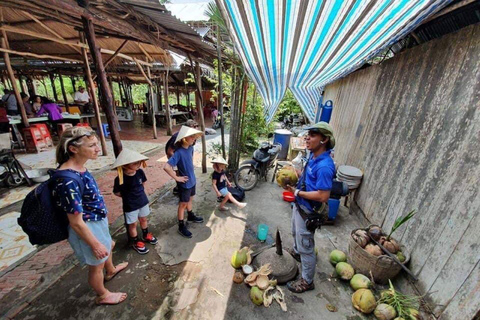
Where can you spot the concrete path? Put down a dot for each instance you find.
(192, 278)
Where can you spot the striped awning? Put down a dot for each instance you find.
(305, 44)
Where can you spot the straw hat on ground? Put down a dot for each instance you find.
(220, 160)
(186, 132)
(125, 157)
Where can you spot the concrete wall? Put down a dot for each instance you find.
(412, 124)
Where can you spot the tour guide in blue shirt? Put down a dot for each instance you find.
(183, 160)
(311, 197)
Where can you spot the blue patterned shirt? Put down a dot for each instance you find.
(67, 196)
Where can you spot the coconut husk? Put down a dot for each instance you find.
(262, 282)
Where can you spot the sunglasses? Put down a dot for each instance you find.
(88, 134)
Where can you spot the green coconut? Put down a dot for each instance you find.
(287, 176)
(337, 256)
(239, 258)
(385, 312)
(401, 256)
(359, 281)
(414, 314)
(344, 270)
(256, 295)
(364, 301)
(386, 296)
(399, 318)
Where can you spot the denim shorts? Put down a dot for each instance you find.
(185, 194)
(82, 250)
(133, 216)
(223, 192)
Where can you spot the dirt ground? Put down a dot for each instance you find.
(192, 278)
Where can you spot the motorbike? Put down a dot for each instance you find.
(251, 171)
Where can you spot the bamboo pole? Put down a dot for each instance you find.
(52, 83)
(198, 81)
(167, 107)
(11, 75)
(106, 95)
(94, 98)
(150, 94)
(64, 94)
(72, 78)
(220, 92)
(39, 56)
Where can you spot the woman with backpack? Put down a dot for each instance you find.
(80, 199)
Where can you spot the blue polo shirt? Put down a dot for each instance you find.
(183, 160)
(318, 175)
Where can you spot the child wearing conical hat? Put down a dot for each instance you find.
(220, 183)
(183, 159)
(130, 186)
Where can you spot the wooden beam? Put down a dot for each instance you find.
(149, 57)
(52, 83)
(88, 74)
(124, 56)
(143, 73)
(167, 107)
(106, 95)
(154, 120)
(11, 75)
(449, 9)
(41, 36)
(114, 55)
(44, 26)
(64, 94)
(39, 56)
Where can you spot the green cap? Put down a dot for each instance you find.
(325, 129)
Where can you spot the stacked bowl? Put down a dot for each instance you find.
(351, 175)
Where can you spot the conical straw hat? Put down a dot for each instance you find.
(220, 160)
(186, 132)
(128, 156)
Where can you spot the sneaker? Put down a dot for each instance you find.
(184, 231)
(300, 286)
(149, 238)
(193, 218)
(139, 246)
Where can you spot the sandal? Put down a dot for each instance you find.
(300, 286)
(295, 255)
(111, 298)
(118, 269)
(224, 209)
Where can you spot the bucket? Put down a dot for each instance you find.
(282, 136)
(333, 205)
(262, 232)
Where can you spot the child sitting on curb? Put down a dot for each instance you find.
(220, 183)
(186, 181)
(130, 186)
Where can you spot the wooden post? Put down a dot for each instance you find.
(150, 95)
(31, 87)
(178, 95)
(110, 83)
(20, 83)
(122, 91)
(11, 75)
(52, 81)
(64, 94)
(198, 81)
(94, 100)
(220, 92)
(167, 107)
(159, 96)
(106, 95)
(72, 78)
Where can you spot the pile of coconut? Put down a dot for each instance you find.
(389, 305)
(361, 237)
(263, 290)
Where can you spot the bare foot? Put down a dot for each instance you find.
(242, 205)
(110, 298)
(118, 268)
(223, 209)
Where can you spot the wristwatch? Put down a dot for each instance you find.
(297, 191)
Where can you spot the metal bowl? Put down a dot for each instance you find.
(38, 175)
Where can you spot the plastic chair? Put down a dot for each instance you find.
(106, 131)
(45, 133)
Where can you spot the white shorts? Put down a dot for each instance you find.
(133, 216)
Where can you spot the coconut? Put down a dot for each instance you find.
(413, 314)
(385, 312)
(337, 256)
(262, 282)
(238, 277)
(399, 318)
(361, 237)
(287, 176)
(401, 256)
(239, 258)
(389, 246)
(247, 269)
(373, 249)
(375, 232)
(395, 243)
(386, 296)
(256, 295)
(359, 281)
(364, 301)
(344, 270)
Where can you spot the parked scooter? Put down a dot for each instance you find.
(251, 171)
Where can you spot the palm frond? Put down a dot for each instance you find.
(401, 221)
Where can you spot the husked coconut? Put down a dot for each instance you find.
(373, 249)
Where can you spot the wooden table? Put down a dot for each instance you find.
(180, 116)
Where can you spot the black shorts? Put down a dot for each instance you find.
(185, 194)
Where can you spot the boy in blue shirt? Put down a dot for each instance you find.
(129, 185)
(186, 181)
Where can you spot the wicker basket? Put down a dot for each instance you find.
(382, 267)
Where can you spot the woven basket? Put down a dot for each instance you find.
(382, 267)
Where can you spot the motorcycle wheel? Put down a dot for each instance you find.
(246, 177)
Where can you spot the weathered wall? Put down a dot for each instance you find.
(412, 124)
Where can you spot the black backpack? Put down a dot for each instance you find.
(237, 193)
(40, 218)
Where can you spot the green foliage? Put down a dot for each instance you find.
(400, 221)
(288, 106)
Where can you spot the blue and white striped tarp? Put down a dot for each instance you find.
(305, 44)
